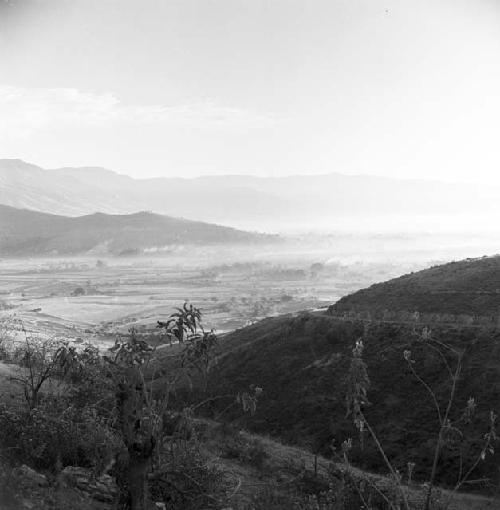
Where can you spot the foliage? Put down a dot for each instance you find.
(185, 480)
(466, 287)
(357, 390)
(56, 434)
(449, 433)
(303, 363)
(7, 324)
(141, 409)
(80, 364)
(113, 412)
(358, 384)
(279, 498)
(184, 321)
(41, 360)
(251, 452)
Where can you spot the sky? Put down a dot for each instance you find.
(400, 88)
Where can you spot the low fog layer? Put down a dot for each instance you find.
(321, 203)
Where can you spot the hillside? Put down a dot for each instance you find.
(30, 233)
(469, 287)
(332, 200)
(302, 363)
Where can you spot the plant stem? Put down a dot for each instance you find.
(387, 462)
(437, 451)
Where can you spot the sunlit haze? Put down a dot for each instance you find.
(396, 88)
(249, 254)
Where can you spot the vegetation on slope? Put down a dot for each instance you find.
(469, 286)
(125, 402)
(303, 362)
(31, 233)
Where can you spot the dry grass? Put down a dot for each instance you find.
(284, 465)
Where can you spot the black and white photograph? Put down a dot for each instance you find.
(249, 254)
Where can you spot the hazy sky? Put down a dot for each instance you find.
(407, 88)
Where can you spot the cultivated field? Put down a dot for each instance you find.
(92, 298)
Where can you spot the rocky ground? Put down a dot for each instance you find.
(250, 464)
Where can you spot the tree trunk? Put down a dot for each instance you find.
(137, 436)
(138, 470)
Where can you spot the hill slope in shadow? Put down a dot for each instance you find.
(302, 363)
(30, 233)
(469, 286)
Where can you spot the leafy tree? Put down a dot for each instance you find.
(186, 320)
(139, 415)
(141, 409)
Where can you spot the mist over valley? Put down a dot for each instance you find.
(249, 255)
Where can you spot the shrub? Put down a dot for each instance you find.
(7, 328)
(55, 435)
(254, 453)
(273, 498)
(186, 481)
(251, 452)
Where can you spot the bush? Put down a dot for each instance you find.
(186, 481)
(254, 453)
(250, 452)
(55, 435)
(272, 498)
(7, 345)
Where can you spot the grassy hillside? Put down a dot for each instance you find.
(469, 286)
(30, 233)
(302, 364)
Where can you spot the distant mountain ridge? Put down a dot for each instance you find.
(30, 233)
(241, 201)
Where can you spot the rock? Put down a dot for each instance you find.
(102, 488)
(31, 476)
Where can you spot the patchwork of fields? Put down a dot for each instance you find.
(92, 299)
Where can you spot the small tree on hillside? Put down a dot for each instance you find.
(183, 322)
(40, 360)
(139, 415)
(449, 432)
(140, 409)
(356, 401)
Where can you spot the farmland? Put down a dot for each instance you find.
(94, 299)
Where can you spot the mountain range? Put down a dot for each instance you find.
(31, 233)
(314, 201)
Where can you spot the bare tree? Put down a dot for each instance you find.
(40, 360)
